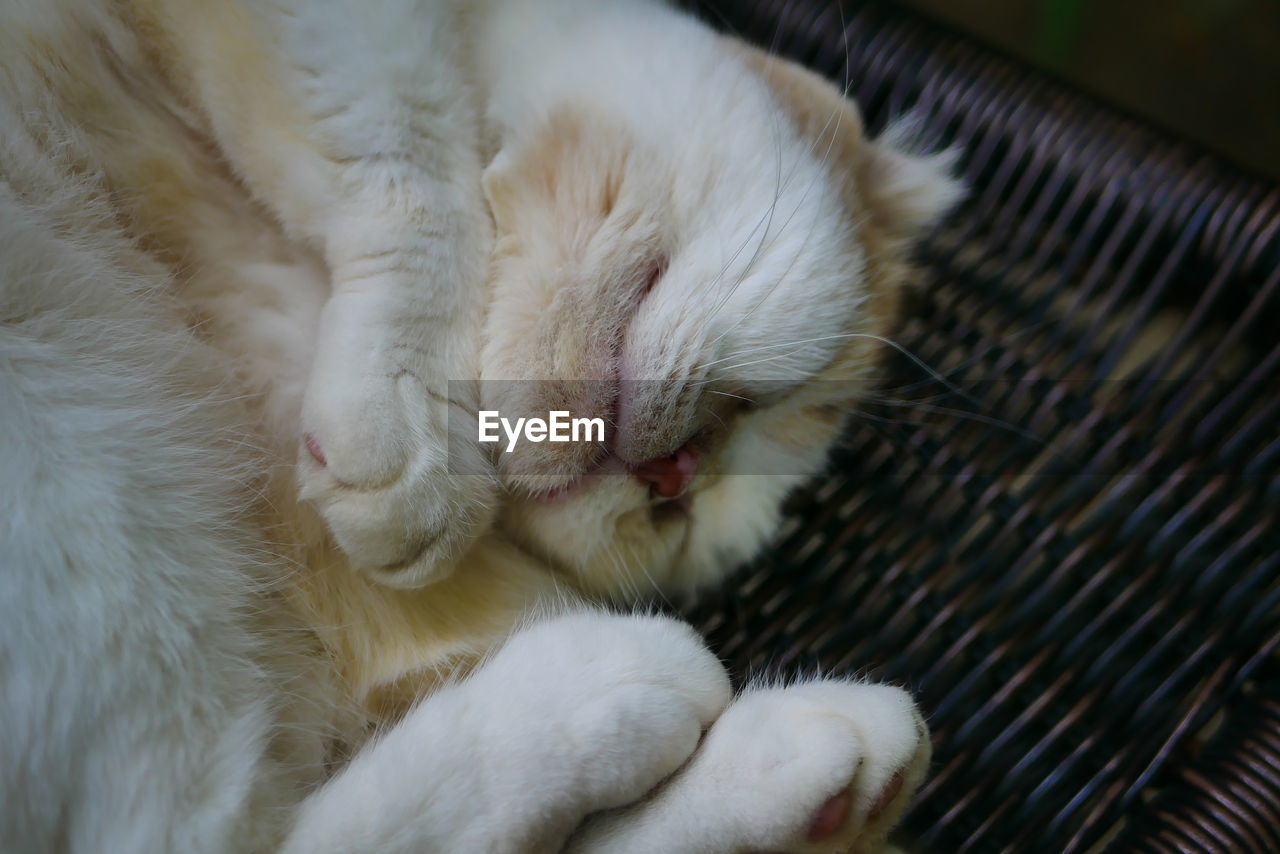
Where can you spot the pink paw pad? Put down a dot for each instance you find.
(314, 447)
(891, 791)
(829, 818)
(833, 814)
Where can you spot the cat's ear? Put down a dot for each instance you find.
(903, 191)
(565, 174)
(908, 191)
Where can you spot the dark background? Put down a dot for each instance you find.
(1208, 70)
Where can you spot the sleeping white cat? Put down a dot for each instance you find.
(261, 249)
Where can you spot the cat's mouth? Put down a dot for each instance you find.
(667, 478)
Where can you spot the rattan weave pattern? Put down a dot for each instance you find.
(1069, 548)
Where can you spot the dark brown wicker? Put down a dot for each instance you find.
(1069, 548)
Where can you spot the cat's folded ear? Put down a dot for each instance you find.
(910, 191)
(902, 190)
(567, 173)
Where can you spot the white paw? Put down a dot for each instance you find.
(818, 768)
(599, 709)
(835, 764)
(375, 459)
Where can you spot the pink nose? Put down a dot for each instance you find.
(669, 476)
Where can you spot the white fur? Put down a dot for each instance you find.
(747, 787)
(227, 225)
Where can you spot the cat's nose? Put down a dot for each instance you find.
(669, 476)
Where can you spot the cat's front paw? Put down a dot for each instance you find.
(375, 460)
(835, 765)
(818, 768)
(596, 709)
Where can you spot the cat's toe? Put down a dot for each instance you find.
(818, 768)
(835, 822)
(358, 430)
(625, 699)
(409, 525)
(876, 725)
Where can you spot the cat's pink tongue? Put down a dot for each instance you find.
(669, 476)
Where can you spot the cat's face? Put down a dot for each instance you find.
(709, 272)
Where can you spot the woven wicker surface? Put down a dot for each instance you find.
(1068, 546)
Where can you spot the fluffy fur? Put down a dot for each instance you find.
(230, 228)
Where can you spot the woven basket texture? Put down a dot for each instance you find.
(1062, 535)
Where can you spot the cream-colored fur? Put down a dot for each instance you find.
(230, 227)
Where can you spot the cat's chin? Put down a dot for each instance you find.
(660, 510)
(552, 490)
(563, 493)
(592, 519)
